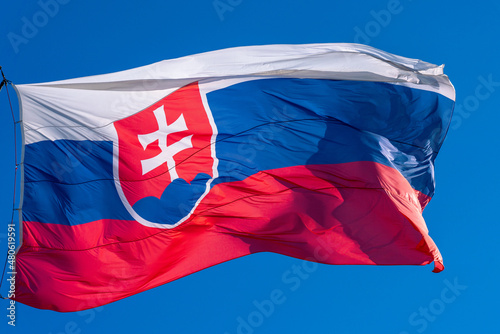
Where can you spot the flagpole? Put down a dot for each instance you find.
(5, 83)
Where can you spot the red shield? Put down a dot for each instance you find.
(168, 142)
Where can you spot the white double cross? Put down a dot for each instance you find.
(167, 151)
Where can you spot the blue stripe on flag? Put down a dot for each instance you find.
(278, 122)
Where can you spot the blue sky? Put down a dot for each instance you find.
(81, 38)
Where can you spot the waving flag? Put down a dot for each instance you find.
(322, 152)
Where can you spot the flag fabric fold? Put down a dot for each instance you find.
(323, 152)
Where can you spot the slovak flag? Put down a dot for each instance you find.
(323, 152)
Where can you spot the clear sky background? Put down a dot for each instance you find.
(83, 38)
